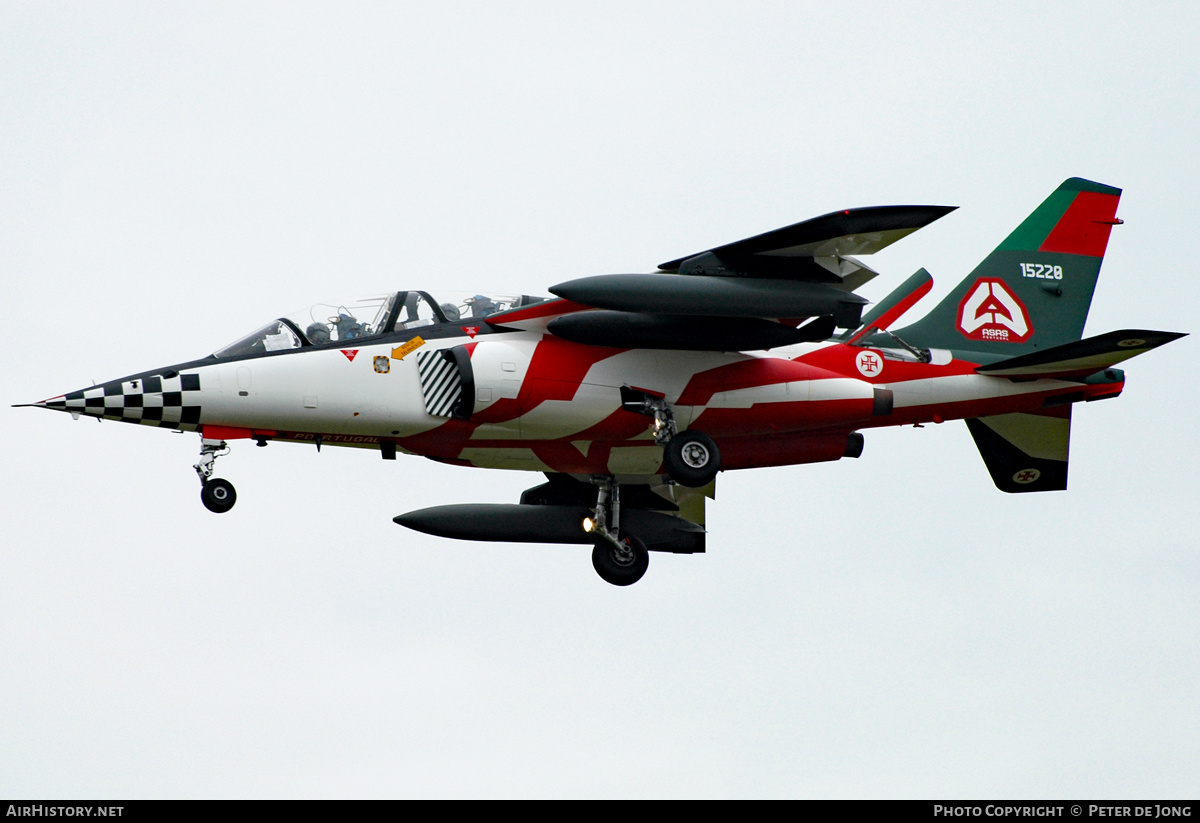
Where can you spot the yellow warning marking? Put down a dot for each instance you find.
(408, 348)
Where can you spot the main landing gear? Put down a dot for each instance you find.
(690, 458)
(618, 556)
(217, 494)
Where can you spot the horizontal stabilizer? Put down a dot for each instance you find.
(815, 250)
(1083, 357)
(1025, 452)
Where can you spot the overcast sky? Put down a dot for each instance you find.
(174, 175)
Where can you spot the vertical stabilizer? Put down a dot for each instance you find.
(1035, 289)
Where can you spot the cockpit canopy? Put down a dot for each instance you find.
(361, 320)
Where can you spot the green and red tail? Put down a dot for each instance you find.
(1034, 290)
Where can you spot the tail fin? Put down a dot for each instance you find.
(1034, 290)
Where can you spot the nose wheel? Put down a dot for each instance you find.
(217, 494)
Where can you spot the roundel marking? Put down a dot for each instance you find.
(1026, 476)
(992, 311)
(1131, 342)
(869, 363)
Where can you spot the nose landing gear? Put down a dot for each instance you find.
(217, 494)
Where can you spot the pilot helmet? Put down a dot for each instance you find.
(317, 333)
(347, 326)
(481, 305)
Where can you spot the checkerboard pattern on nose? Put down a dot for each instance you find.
(166, 402)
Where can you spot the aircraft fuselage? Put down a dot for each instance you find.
(544, 404)
(653, 383)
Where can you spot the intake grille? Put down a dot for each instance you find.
(441, 383)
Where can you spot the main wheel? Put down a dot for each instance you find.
(218, 495)
(621, 567)
(692, 459)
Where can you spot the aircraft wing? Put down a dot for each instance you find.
(816, 250)
(750, 295)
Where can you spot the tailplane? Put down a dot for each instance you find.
(1083, 357)
(1025, 452)
(1034, 290)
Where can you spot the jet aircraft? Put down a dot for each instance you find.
(631, 391)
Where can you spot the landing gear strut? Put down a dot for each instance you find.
(216, 494)
(690, 458)
(618, 556)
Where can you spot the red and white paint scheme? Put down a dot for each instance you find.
(631, 392)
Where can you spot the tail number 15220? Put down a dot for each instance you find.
(1041, 271)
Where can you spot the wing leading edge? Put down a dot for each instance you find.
(816, 250)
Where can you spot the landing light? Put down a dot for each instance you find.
(589, 525)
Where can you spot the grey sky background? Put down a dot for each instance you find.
(175, 175)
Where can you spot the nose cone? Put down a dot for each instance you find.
(152, 400)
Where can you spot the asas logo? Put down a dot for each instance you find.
(990, 311)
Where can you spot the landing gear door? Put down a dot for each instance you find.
(447, 382)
